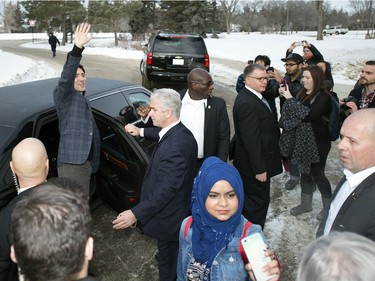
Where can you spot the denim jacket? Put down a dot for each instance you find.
(227, 265)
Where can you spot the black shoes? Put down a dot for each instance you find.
(291, 183)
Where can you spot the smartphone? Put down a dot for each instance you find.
(255, 248)
(283, 83)
(298, 43)
(250, 62)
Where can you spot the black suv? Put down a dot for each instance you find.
(170, 57)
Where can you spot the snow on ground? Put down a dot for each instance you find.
(347, 54)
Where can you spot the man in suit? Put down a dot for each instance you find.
(204, 115)
(79, 147)
(30, 168)
(167, 185)
(51, 231)
(352, 204)
(256, 154)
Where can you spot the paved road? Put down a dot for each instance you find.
(129, 255)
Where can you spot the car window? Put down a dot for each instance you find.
(109, 137)
(179, 45)
(112, 141)
(111, 104)
(139, 98)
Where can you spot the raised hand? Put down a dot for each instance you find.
(82, 35)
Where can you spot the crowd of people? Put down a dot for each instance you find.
(194, 202)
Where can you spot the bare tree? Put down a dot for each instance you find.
(9, 16)
(249, 14)
(369, 21)
(229, 7)
(360, 8)
(319, 7)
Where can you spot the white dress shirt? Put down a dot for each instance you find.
(192, 116)
(351, 183)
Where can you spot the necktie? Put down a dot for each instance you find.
(266, 103)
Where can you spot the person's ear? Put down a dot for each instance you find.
(11, 166)
(47, 166)
(13, 254)
(89, 250)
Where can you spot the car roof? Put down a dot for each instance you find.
(20, 101)
(176, 35)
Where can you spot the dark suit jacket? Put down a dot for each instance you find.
(357, 212)
(8, 269)
(167, 185)
(216, 128)
(78, 130)
(257, 137)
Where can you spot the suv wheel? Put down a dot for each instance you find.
(146, 83)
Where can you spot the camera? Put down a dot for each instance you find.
(348, 99)
(250, 62)
(270, 69)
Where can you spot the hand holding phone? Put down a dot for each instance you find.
(255, 249)
(298, 43)
(283, 83)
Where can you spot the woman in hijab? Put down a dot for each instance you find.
(210, 238)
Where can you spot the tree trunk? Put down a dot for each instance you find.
(319, 7)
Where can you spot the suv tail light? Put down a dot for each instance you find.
(149, 58)
(206, 61)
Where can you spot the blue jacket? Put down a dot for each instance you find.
(78, 130)
(227, 265)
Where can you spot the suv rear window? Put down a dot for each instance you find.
(179, 45)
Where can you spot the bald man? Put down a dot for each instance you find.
(29, 165)
(352, 205)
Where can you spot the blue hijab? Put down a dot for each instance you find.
(210, 235)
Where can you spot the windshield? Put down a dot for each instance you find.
(179, 45)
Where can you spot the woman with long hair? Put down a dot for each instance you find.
(306, 137)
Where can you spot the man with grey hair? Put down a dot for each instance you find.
(340, 256)
(167, 185)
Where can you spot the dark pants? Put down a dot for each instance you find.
(79, 173)
(53, 49)
(167, 260)
(318, 177)
(257, 200)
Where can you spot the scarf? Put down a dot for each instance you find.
(210, 235)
